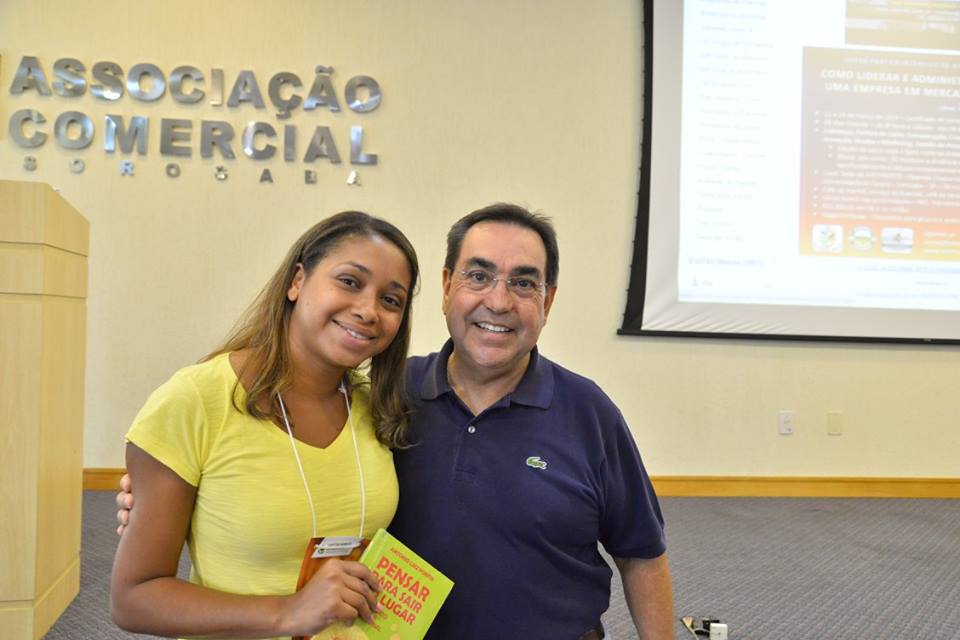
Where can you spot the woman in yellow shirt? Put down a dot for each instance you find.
(272, 439)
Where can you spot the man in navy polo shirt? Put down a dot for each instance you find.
(521, 467)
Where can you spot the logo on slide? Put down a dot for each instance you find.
(862, 238)
(827, 238)
(896, 239)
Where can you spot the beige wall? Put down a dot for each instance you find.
(525, 101)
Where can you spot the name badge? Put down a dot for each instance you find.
(337, 546)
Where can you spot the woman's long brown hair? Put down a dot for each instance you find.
(263, 330)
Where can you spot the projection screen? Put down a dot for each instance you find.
(800, 171)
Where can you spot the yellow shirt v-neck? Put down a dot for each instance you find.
(251, 522)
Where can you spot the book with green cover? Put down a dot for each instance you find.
(410, 597)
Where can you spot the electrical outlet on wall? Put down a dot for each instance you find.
(786, 422)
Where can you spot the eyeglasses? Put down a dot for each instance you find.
(481, 280)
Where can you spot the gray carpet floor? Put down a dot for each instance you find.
(801, 569)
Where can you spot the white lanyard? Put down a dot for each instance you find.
(303, 476)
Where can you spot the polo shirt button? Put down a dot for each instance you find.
(471, 429)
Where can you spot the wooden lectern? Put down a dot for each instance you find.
(43, 289)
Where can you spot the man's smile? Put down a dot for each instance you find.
(495, 328)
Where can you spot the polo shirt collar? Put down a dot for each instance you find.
(535, 388)
(435, 382)
(536, 385)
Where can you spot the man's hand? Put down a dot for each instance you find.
(124, 503)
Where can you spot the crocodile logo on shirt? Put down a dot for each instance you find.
(536, 462)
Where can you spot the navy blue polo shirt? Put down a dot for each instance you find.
(510, 504)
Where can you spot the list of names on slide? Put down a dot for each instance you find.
(727, 184)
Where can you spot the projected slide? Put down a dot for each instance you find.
(880, 155)
(817, 155)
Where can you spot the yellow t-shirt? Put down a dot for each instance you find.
(251, 522)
